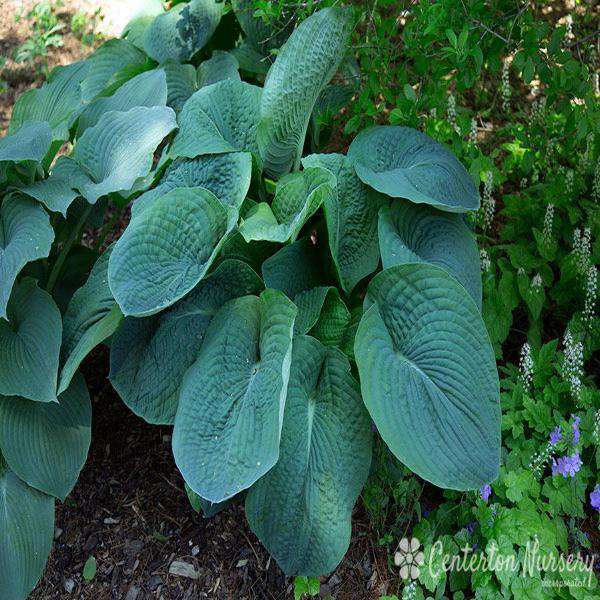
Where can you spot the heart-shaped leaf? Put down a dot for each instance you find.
(146, 89)
(301, 510)
(119, 149)
(227, 176)
(428, 376)
(157, 261)
(405, 163)
(231, 403)
(418, 233)
(30, 344)
(25, 235)
(181, 83)
(179, 33)
(46, 443)
(30, 142)
(219, 118)
(175, 335)
(220, 66)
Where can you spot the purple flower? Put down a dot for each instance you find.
(485, 492)
(576, 421)
(470, 527)
(555, 436)
(567, 465)
(595, 498)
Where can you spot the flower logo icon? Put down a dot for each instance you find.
(409, 558)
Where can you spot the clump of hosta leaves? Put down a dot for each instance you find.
(267, 302)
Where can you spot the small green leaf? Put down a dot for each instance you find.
(89, 569)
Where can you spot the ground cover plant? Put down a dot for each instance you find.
(245, 302)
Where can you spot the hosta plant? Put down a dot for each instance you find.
(274, 305)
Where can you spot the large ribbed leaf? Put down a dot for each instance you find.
(26, 534)
(46, 443)
(179, 33)
(219, 118)
(145, 89)
(231, 403)
(57, 102)
(323, 314)
(106, 63)
(304, 65)
(181, 83)
(25, 235)
(119, 149)
(294, 268)
(411, 233)
(58, 191)
(167, 250)
(92, 316)
(405, 163)
(297, 197)
(351, 216)
(301, 510)
(30, 142)
(149, 356)
(221, 65)
(428, 376)
(30, 344)
(227, 176)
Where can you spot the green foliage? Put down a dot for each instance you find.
(250, 281)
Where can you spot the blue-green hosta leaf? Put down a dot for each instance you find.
(227, 176)
(104, 66)
(428, 376)
(228, 422)
(119, 149)
(351, 216)
(30, 344)
(301, 510)
(167, 250)
(146, 11)
(221, 65)
(57, 102)
(295, 268)
(151, 389)
(405, 163)
(218, 118)
(297, 197)
(411, 233)
(26, 534)
(60, 189)
(46, 443)
(146, 89)
(263, 35)
(31, 142)
(323, 314)
(25, 236)
(179, 33)
(303, 67)
(181, 83)
(92, 316)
